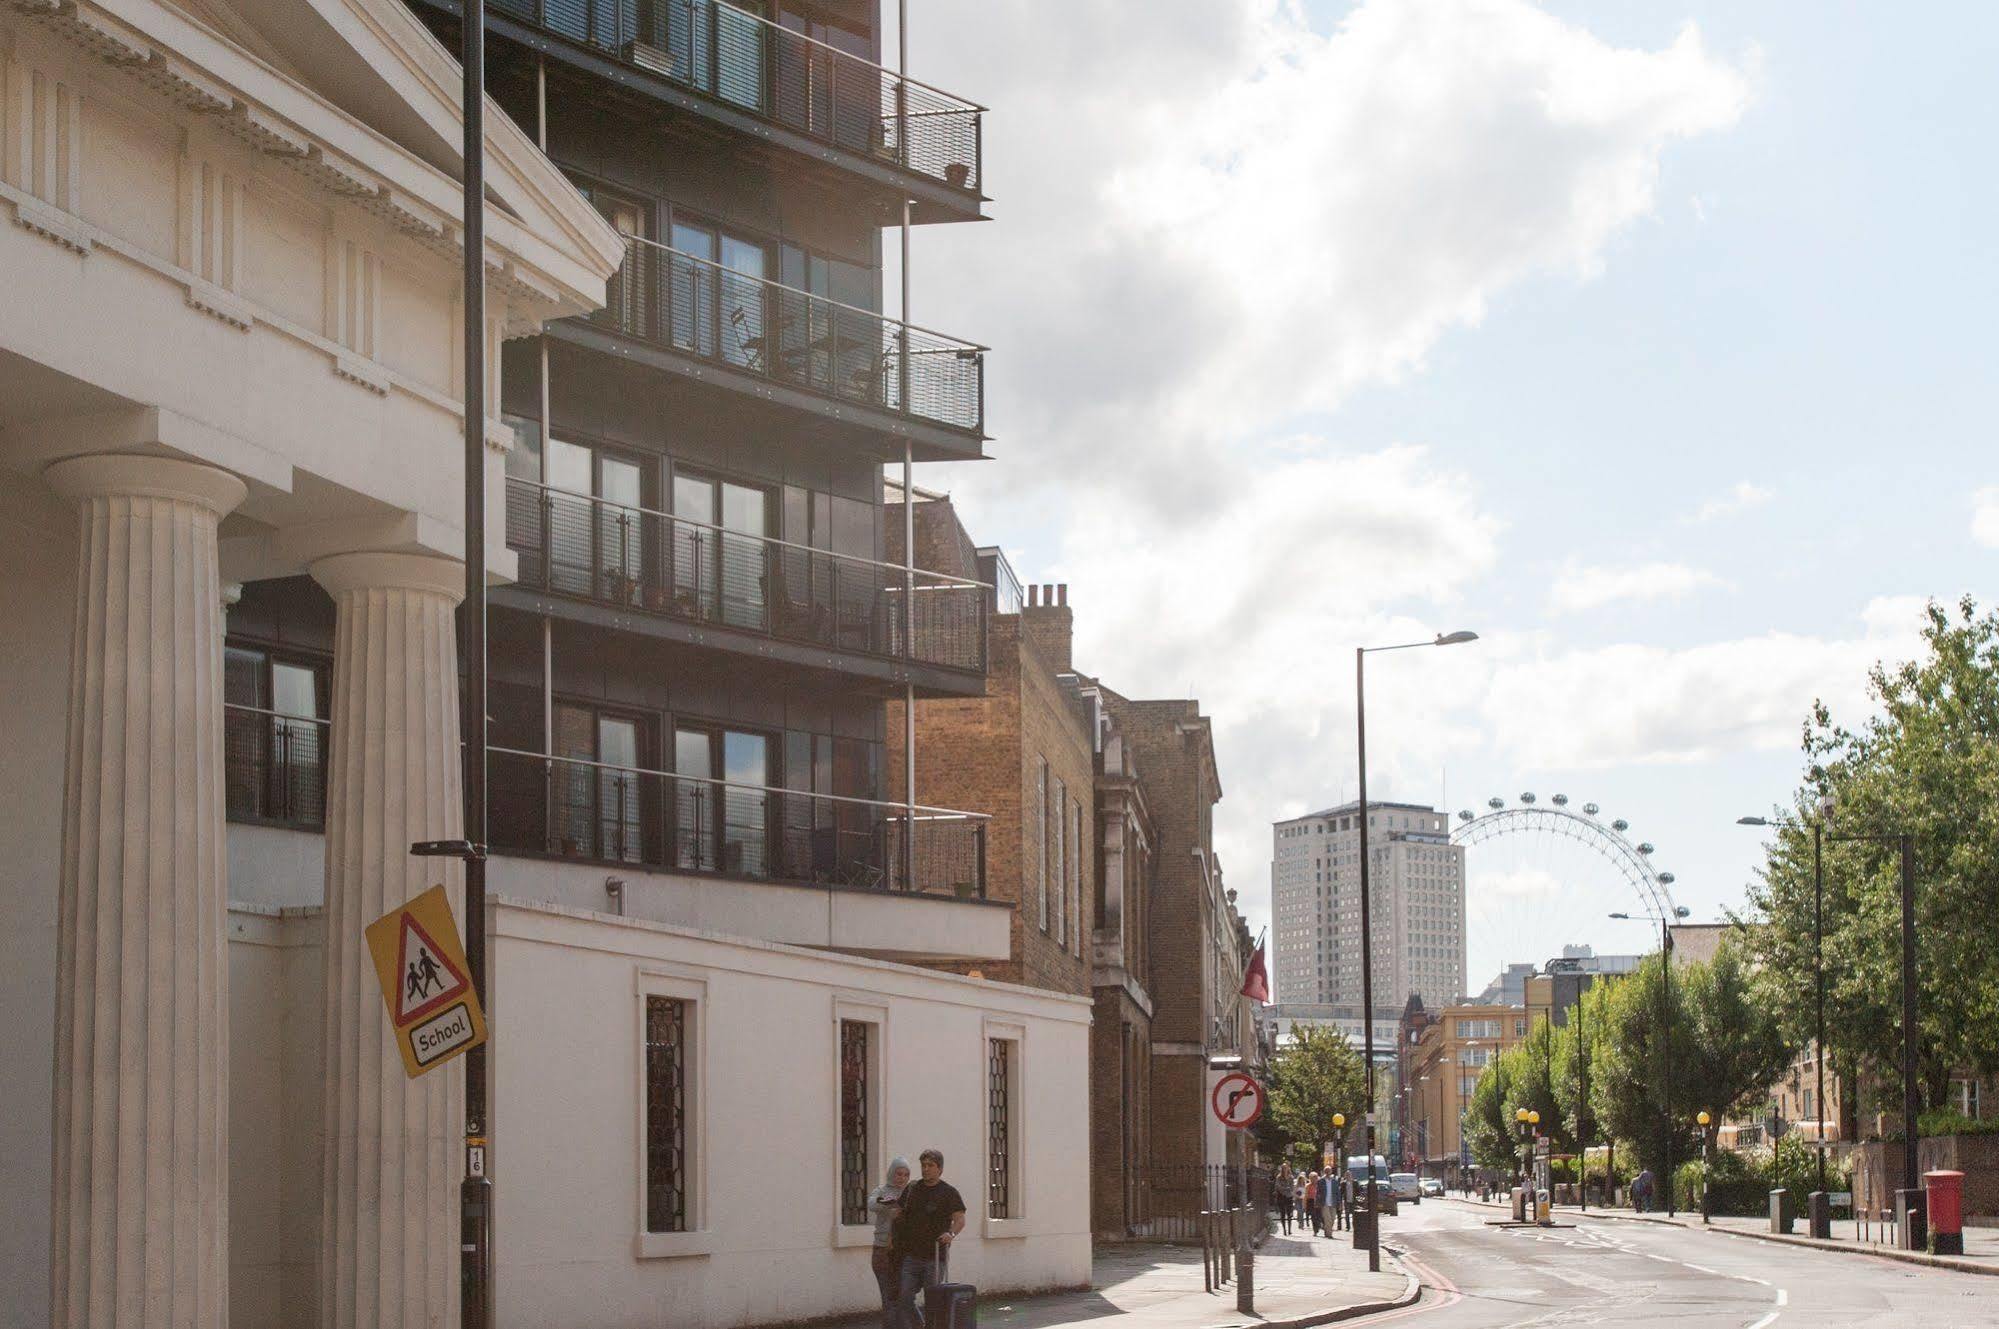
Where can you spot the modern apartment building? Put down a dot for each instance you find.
(234, 553)
(1418, 909)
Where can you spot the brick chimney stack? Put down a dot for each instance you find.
(1048, 622)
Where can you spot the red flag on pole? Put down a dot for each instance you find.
(1256, 981)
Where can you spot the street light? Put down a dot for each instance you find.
(1818, 954)
(1366, 924)
(1665, 1038)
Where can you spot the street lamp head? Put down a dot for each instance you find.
(1339, 1121)
(1520, 1114)
(1625, 917)
(1455, 638)
(1752, 821)
(1533, 1118)
(1703, 1118)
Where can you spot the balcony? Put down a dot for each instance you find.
(784, 87)
(704, 583)
(569, 807)
(805, 350)
(275, 767)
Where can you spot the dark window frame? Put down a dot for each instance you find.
(272, 735)
(669, 1172)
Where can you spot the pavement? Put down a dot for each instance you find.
(1607, 1271)
(1300, 1281)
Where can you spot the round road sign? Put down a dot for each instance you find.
(1237, 1100)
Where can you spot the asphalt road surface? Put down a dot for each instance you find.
(1605, 1272)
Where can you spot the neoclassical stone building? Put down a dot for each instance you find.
(230, 557)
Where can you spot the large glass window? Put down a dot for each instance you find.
(600, 794)
(721, 815)
(718, 300)
(274, 732)
(596, 530)
(721, 555)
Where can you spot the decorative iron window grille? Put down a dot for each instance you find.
(666, 1114)
(854, 1172)
(999, 1137)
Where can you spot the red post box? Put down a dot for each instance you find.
(1945, 1202)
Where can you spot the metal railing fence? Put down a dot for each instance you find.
(750, 323)
(582, 808)
(1172, 1199)
(751, 64)
(637, 558)
(274, 765)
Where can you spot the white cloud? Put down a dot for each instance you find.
(1218, 220)
(1985, 517)
(1740, 498)
(1217, 224)
(1632, 704)
(1583, 588)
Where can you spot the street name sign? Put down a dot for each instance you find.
(426, 984)
(1237, 1100)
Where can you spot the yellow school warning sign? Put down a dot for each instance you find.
(425, 982)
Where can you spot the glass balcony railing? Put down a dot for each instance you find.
(747, 63)
(274, 765)
(748, 323)
(597, 810)
(638, 559)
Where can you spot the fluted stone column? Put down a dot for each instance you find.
(389, 1214)
(140, 1204)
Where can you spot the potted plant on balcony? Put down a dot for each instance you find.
(956, 174)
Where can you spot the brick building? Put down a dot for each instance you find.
(1102, 836)
(1024, 753)
(1443, 1057)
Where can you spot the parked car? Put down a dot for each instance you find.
(1406, 1186)
(1433, 1186)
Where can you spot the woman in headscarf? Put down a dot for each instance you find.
(885, 1203)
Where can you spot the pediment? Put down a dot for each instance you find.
(378, 64)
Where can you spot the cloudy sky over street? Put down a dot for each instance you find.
(1652, 342)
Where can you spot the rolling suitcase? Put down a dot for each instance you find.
(948, 1305)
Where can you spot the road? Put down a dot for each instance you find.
(1606, 1272)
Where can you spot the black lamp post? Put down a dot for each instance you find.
(1818, 961)
(1366, 925)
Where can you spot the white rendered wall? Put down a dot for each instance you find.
(567, 1142)
(37, 594)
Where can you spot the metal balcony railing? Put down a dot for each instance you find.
(597, 810)
(274, 766)
(638, 559)
(749, 323)
(748, 63)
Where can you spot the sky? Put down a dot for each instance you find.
(1652, 342)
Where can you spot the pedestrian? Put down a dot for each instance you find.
(1298, 1198)
(1641, 1192)
(1346, 1200)
(933, 1214)
(1312, 1214)
(1282, 1185)
(1329, 1201)
(885, 1203)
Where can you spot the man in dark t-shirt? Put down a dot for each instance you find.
(933, 1214)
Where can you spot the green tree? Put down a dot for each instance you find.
(1317, 1074)
(1927, 765)
(1725, 1044)
(1488, 1123)
(1572, 1068)
(1531, 1084)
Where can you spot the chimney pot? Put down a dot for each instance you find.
(1032, 592)
(1062, 594)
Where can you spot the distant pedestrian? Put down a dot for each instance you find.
(933, 1214)
(885, 1204)
(1298, 1198)
(1345, 1207)
(1312, 1213)
(1329, 1201)
(1281, 1183)
(1641, 1191)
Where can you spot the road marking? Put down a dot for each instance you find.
(1703, 1268)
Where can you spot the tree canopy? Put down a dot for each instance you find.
(1318, 1073)
(1927, 764)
